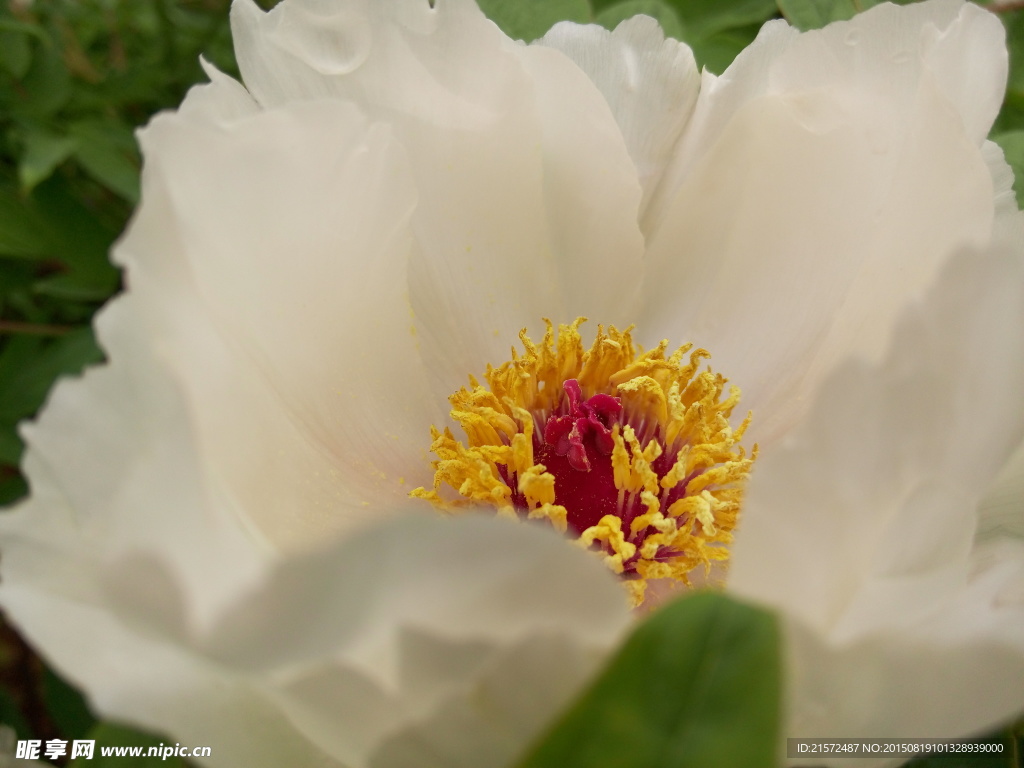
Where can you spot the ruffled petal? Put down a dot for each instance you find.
(956, 672)
(116, 478)
(650, 84)
(859, 526)
(533, 218)
(527, 199)
(144, 681)
(403, 640)
(822, 180)
(523, 687)
(124, 552)
(1002, 509)
(268, 264)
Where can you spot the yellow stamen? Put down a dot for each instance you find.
(656, 481)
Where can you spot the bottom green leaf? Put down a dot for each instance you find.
(696, 685)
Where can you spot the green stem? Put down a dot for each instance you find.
(1005, 7)
(34, 329)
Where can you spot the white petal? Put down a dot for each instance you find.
(268, 261)
(904, 445)
(881, 53)
(122, 553)
(1002, 509)
(474, 577)
(956, 673)
(114, 472)
(223, 100)
(719, 99)
(527, 195)
(405, 624)
(534, 217)
(309, 49)
(859, 525)
(143, 681)
(822, 180)
(523, 689)
(650, 83)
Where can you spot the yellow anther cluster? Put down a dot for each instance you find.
(666, 523)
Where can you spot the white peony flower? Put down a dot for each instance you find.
(324, 255)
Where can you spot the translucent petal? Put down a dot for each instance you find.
(650, 83)
(822, 180)
(860, 525)
(406, 624)
(956, 672)
(268, 263)
(527, 197)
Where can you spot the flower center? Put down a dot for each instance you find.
(630, 452)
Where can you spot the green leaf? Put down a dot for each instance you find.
(67, 707)
(716, 31)
(696, 685)
(10, 712)
(530, 19)
(51, 223)
(107, 150)
(23, 232)
(78, 285)
(611, 16)
(47, 83)
(815, 14)
(14, 276)
(8, 24)
(43, 153)
(113, 736)
(703, 18)
(28, 367)
(1012, 116)
(16, 353)
(1014, 23)
(718, 51)
(10, 445)
(77, 235)
(15, 52)
(16, 47)
(1013, 147)
(12, 488)
(76, 240)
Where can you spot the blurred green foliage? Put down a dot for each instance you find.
(78, 76)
